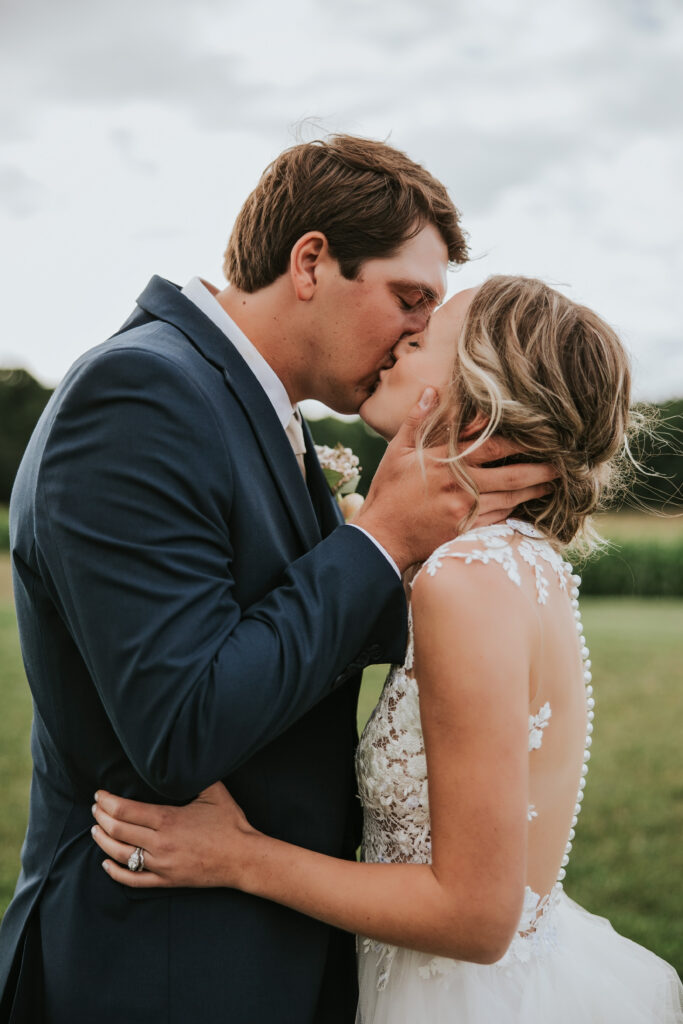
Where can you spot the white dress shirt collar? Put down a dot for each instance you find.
(201, 293)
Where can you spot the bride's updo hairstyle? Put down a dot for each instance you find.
(553, 378)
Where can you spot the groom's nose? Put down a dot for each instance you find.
(400, 347)
(419, 317)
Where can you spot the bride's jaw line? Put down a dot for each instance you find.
(369, 419)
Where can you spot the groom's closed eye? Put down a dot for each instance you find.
(414, 294)
(412, 301)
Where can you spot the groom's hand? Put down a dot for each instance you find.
(412, 508)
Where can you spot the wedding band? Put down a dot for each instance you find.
(136, 861)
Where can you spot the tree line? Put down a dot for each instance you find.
(659, 452)
(22, 400)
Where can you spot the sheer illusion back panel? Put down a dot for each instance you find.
(539, 576)
(556, 765)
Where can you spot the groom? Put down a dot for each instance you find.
(190, 607)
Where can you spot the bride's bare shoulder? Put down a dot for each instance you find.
(452, 564)
(468, 587)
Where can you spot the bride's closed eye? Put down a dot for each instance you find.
(411, 342)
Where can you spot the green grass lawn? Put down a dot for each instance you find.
(15, 758)
(4, 528)
(627, 861)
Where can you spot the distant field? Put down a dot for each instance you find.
(631, 525)
(5, 582)
(15, 759)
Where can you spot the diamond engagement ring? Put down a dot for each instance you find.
(136, 861)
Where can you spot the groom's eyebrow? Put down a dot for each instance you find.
(429, 294)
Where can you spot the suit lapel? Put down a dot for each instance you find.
(163, 300)
(326, 508)
(275, 448)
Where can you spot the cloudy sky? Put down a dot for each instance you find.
(130, 133)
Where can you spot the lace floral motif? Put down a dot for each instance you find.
(534, 550)
(536, 937)
(392, 768)
(536, 934)
(537, 724)
(392, 777)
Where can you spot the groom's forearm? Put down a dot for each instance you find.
(283, 655)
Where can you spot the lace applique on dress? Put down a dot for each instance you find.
(534, 550)
(537, 724)
(391, 764)
(410, 647)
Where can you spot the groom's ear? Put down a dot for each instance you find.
(308, 253)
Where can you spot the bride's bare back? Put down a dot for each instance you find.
(521, 746)
(559, 680)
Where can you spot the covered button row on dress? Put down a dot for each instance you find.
(590, 715)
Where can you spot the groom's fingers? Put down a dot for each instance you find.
(491, 450)
(505, 501)
(512, 478)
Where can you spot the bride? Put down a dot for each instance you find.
(472, 768)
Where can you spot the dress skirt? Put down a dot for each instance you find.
(576, 970)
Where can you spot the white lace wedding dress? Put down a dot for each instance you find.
(564, 966)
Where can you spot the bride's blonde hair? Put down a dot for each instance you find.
(553, 378)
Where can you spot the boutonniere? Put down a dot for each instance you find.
(342, 472)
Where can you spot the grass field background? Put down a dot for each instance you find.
(627, 861)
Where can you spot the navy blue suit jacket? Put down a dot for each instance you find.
(189, 610)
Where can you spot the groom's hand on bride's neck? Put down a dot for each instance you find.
(414, 504)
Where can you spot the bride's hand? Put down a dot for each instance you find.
(201, 844)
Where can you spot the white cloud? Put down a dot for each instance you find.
(140, 129)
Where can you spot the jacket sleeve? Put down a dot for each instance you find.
(132, 535)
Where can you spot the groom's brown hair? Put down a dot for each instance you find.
(367, 198)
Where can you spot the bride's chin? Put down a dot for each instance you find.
(371, 414)
(365, 413)
(376, 425)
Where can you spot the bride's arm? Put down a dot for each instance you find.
(473, 637)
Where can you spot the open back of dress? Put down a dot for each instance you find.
(546, 972)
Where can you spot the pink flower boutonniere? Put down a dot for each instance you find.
(342, 473)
